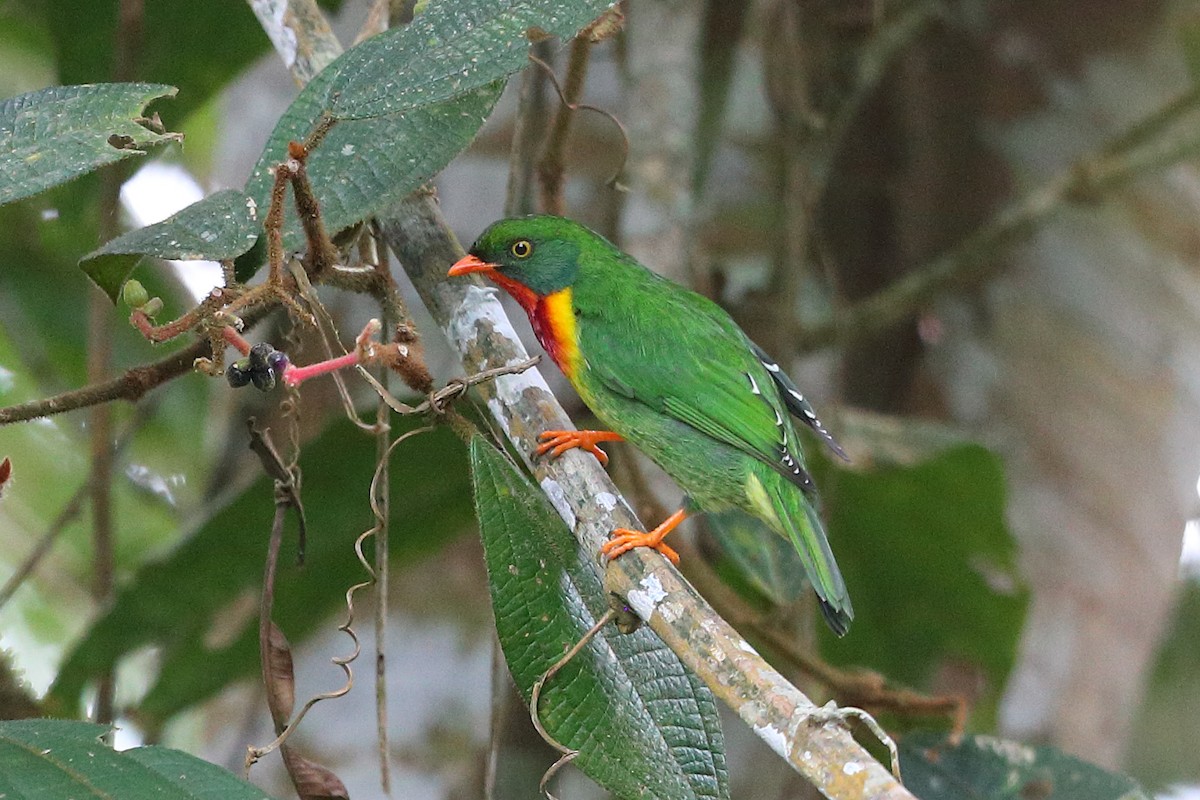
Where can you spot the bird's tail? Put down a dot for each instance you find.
(802, 524)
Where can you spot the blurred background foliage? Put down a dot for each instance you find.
(1025, 443)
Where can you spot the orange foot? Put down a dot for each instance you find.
(623, 540)
(558, 442)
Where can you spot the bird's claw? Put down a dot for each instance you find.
(623, 540)
(558, 442)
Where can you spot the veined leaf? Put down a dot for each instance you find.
(222, 226)
(987, 768)
(407, 101)
(449, 49)
(50, 136)
(363, 165)
(643, 724)
(49, 759)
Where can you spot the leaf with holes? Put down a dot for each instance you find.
(987, 768)
(643, 724)
(49, 759)
(50, 136)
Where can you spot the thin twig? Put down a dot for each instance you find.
(615, 181)
(347, 627)
(130, 386)
(528, 131)
(977, 257)
(126, 47)
(551, 168)
(381, 508)
(536, 694)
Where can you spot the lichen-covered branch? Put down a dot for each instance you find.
(523, 405)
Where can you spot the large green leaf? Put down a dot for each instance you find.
(447, 50)
(753, 555)
(408, 101)
(53, 135)
(643, 724)
(762, 565)
(42, 759)
(987, 768)
(364, 165)
(179, 603)
(929, 563)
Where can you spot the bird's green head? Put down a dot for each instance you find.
(538, 255)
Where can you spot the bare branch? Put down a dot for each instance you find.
(131, 386)
(1134, 154)
(551, 167)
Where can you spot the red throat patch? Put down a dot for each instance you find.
(553, 320)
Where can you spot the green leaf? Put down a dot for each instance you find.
(987, 768)
(448, 50)
(364, 165)
(644, 725)
(407, 101)
(177, 48)
(187, 603)
(760, 564)
(53, 135)
(44, 759)
(222, 226)
(929, 562)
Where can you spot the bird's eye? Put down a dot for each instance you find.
(522, 248)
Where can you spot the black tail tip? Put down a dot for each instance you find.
(838, 619)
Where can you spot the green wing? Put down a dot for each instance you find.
(681, 354)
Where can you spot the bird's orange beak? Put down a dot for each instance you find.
(468, 264)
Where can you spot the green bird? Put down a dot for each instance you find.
(671, 372)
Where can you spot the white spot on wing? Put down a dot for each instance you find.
(753, 384)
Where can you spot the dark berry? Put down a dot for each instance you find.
(238, 374)
(258, 356)
(263, 379)
(278, 362)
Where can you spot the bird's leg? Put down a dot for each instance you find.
(623, 540)
(558, 442)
